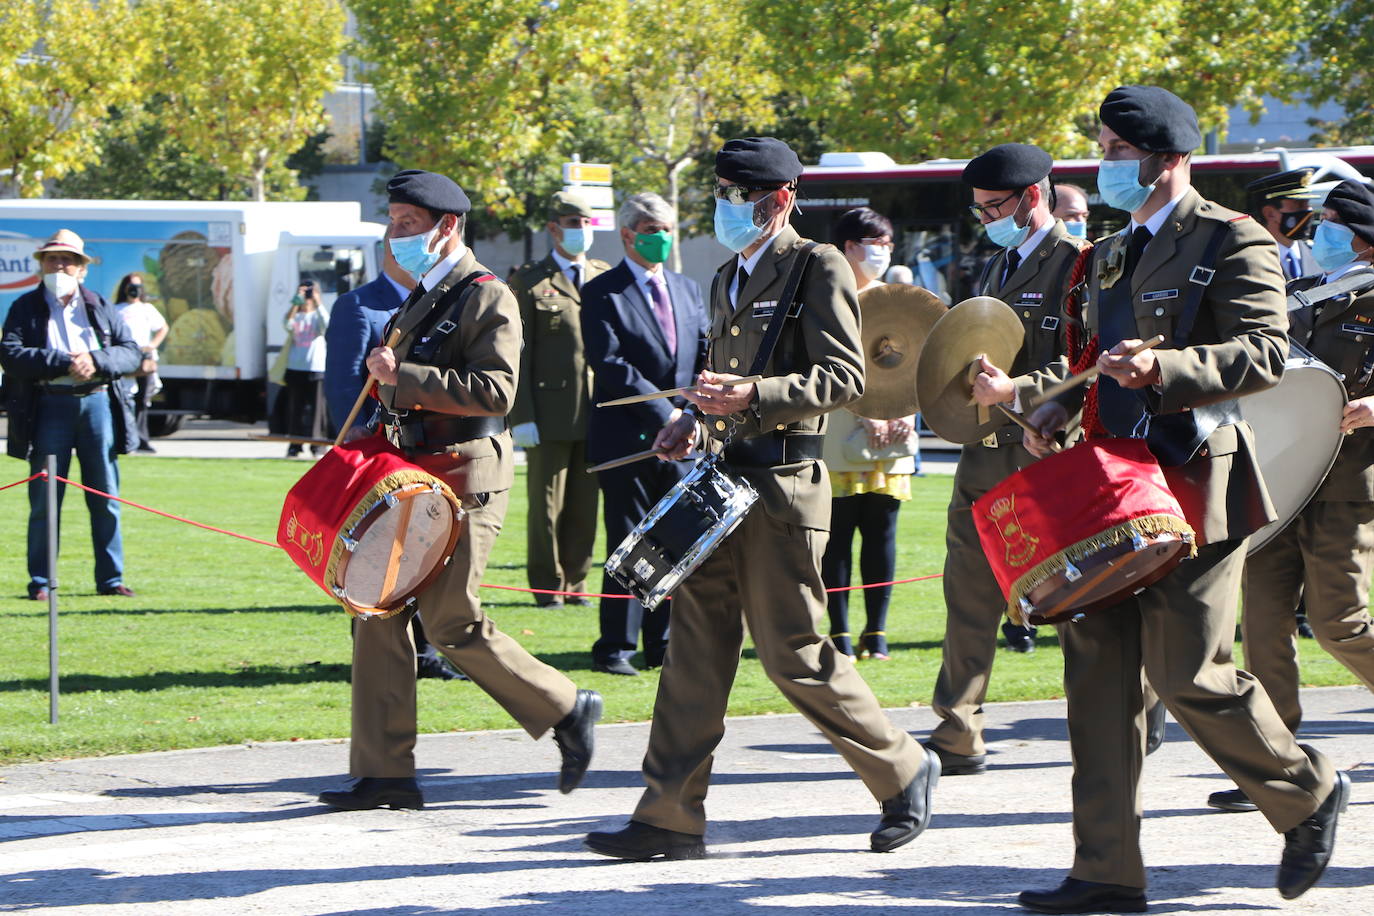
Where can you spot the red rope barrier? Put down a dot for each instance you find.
(510, 588)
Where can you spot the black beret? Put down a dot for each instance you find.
(1293, 183)
(1354, 204)
(1008, 167)
(758, 162)
(1152, 119)
(427, 189)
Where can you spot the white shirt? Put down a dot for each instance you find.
(143, 319)
(69, 327)
(749, 264)
(439, 271)
(1156, 222)
(642, 276)
(1344, 269)
(1027, 248)
(567, 267)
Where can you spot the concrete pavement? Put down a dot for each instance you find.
(236, 829)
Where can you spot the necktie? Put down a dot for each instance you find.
(1139, 239)
(576, 276)
(743, 278)
(663, 311)
(1013, 262)
(1294, 270)
(1120, 409)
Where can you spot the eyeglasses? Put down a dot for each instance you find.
(736, 193)
(877, 242)
(992, 207)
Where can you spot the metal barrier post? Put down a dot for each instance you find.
(52, 588)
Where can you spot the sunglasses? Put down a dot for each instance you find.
(737, 193)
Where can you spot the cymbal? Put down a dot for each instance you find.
(896, 319)
(981, 326)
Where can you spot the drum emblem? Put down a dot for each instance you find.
(1021, 546)
(311, 543)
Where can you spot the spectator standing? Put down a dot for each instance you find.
(644, 329)
(549, 417)
(148, 329)
(865, 494)
(63, 347)
(306, 322)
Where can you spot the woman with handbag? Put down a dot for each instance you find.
(148, 329)
(870, 464)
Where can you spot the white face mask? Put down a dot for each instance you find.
(877, 259)
(61, 284)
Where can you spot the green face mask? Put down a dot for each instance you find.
(654, 246)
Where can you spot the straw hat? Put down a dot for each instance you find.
(67, 241)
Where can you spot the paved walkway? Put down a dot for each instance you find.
(236, 830)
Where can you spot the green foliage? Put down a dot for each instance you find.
(62, 64)
(1339, 58)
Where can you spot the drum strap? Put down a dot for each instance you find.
(1356, 282)
(428, 344)
(1198, 281)
(785, 308)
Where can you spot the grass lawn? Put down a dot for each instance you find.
(227, 641)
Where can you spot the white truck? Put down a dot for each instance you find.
(222, 274)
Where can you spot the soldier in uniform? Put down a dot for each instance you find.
(1326, 554)
(1281, 202)
(445, 390)
(766, 574)
(549, 418)
(1032, 272)
(1205, 277)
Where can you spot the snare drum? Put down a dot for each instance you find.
(369, 527)
(680, 532)
(1297, 426)
(1081, 530)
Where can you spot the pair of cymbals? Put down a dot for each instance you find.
(896, 318)
(981, 326)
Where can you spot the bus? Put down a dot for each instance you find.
(934, 234)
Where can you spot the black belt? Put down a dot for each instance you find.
(773, 448)
(441, 432)
(78, 391)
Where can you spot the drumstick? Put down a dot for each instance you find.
(624, 460)
(1074, 381)
(674, 392)
(1022, 422)
(363, 395)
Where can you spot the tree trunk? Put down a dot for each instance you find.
(673, 171)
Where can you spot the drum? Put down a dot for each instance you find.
(1081, 530)
(369, 527)
(680, 532)
(1297, 426)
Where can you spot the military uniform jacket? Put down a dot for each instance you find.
(1340, 332)
(816, 367)
(472, 374)
(1237, 346)
(554, 383)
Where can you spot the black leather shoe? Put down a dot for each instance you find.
(436, 666)
(1231, 800)
(1019, 639)
(577, 601)
(1307, 847)
(576, 736)
(1075, 896)
(616, 666)
(375, 792)
(548, 601)
(1305, 627)
(1154, 727)
(641, 842)
(952, 764)
(907, 814)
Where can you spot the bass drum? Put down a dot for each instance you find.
(1297, 426)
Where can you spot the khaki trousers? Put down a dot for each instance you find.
(765, 575)
(974, 603)
(536, 696)
(1182, 629)
(1325, 556)
(561, 520)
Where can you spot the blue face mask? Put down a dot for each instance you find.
(1004, 232)
(413, 254)
(735, 228)
(1077, 230)
(1119, 182)
(1333, 246)
(576, 241)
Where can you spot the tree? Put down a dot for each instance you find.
(243, 90)
(1338, 66)
(62, 64)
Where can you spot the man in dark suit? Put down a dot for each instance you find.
(643, 330)
(356, 325)
(1206, 279)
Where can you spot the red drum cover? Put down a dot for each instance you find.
(333, 496)
(1068, 506)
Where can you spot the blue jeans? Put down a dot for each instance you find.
(63, 423)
